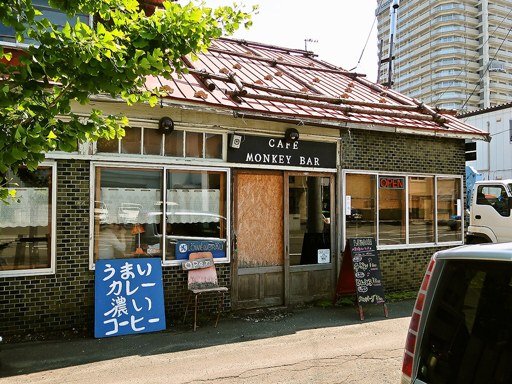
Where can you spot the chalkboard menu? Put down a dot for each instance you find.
(360, 274)
(365, 263)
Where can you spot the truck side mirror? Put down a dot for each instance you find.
(509, 202)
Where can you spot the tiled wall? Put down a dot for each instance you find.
(66, 300)
(402, 269)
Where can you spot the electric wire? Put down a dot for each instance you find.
(367, 39)
(488, 66)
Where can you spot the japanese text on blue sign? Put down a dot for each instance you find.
(128, 297)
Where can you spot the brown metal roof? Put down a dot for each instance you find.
(263, 81)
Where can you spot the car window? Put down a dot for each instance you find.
(468, 335)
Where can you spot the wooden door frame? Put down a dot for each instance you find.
(234, 217)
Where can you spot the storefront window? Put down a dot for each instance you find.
(26, 224)
(195, 212)
(309, 220)
(392, 217)
(127, 211)
(449, 209)
(421, 210)
(406, 207)
(133, 213)
(360, 206)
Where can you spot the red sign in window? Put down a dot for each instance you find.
(392, 182)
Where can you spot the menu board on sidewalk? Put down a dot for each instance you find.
(360, 273)
(365, 263)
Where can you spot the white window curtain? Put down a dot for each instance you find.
(30, 211)
(135, 205)
(193, 205)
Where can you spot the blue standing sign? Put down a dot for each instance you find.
(129, 297)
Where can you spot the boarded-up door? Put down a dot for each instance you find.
(258, 222)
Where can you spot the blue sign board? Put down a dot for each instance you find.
(184, 248)
(129, 297)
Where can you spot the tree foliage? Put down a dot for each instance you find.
(74, 62)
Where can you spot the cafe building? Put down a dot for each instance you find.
(265, 156)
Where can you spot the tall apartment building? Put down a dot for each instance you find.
(449, 54)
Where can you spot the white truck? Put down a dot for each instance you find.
(490, 219)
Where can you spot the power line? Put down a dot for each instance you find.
(367, 39)
(488, 66)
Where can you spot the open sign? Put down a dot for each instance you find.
(391, 182)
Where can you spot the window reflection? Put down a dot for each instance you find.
(309, 220)
(194, 144)
(196, 207)
(25, 224)
(392, 210)
(174, 144)
(449, 206)
(55, 16)
(360, 206)
(148, 141)
(406, 208)
(421, 210)
(213, 146)
(127, 209)
(130, 204)
(131, 142)
(152, 142)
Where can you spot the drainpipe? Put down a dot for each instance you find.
(392, 33)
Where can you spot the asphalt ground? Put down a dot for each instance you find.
(23, 358)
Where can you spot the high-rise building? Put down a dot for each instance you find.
(446, 53)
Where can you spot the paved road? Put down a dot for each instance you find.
(312, 345)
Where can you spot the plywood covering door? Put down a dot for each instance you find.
(259, 256)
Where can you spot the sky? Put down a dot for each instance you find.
(340, 28)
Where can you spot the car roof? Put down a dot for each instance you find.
(488, 251)
(504, 181)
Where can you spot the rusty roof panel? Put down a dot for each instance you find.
(276, 82)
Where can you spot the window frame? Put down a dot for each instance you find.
(163, 168)
(184, 130)
(15, 44)
(407, 176)
(53, 232)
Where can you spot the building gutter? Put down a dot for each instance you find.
(334, 123)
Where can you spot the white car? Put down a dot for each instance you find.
(461, 325)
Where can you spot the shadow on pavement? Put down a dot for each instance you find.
(30, 357)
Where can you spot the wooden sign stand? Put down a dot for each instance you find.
(360, 274)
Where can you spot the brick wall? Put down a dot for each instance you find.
(66, 300)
